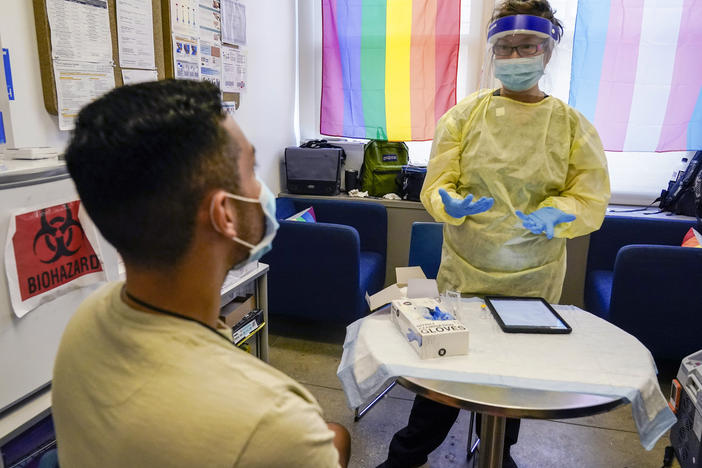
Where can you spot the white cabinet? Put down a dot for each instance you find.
(253, 281)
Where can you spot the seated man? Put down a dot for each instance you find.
(143, 377)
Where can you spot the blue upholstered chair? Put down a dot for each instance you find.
(640, 279)
(425, 247)
(49, 459)
(425, 251)
(323, 270)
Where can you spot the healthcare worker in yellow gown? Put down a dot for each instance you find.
(513, 173)
(538, 172)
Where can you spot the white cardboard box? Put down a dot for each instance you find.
(411, 282)
(430, 338)
(44, 152)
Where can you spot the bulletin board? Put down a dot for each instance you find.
(41, 20)
(197, 35)
(163, 35)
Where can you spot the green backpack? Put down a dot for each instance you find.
(382, 164)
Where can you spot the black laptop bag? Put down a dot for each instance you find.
(314, 168)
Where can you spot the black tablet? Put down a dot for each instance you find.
(526, 315)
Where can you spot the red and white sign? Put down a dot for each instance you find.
(48, 253)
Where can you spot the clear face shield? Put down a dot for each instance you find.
(518, 49)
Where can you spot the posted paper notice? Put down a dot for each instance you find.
(135, 34)
(234, 70)
(80, 30)
(230, 108)
(77, 84)
(233, 22)
(138, 76)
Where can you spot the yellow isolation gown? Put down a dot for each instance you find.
(526, 156)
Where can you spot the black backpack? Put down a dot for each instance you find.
(684, 196)
(411, 180)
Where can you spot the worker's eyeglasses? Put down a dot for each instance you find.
(523, 50)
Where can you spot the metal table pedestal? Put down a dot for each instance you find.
(498, 403)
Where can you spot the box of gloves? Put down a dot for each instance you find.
(429, 327)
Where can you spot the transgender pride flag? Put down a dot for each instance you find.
(637, 72)
(388, 67)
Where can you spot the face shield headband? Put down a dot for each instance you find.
(521, 24)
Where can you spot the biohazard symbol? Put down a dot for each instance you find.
(57, 237)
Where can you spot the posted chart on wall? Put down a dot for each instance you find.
(186, 57)
(210, 21)
(184, 16)
(210, 62)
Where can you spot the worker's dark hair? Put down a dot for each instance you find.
(528, 7)
(143, 157)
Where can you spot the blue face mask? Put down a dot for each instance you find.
(267, 201)
(519, 74)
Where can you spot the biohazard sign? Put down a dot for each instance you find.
(48, 253)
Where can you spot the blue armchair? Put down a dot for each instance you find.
(425, 247)
(640, 279)
(323, 270)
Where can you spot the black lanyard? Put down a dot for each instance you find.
(173, 314)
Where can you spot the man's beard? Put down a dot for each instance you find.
(248, 231)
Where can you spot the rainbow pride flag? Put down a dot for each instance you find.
(637, 72)
(388, 67)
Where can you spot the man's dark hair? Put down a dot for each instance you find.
(529, 7)
(143, 157)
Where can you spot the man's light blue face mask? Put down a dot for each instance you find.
(519, 74)
(267, 202)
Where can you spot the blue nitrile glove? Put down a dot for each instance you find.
(412, 336)
(459, 208)
(544, 220)
(437, 314)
